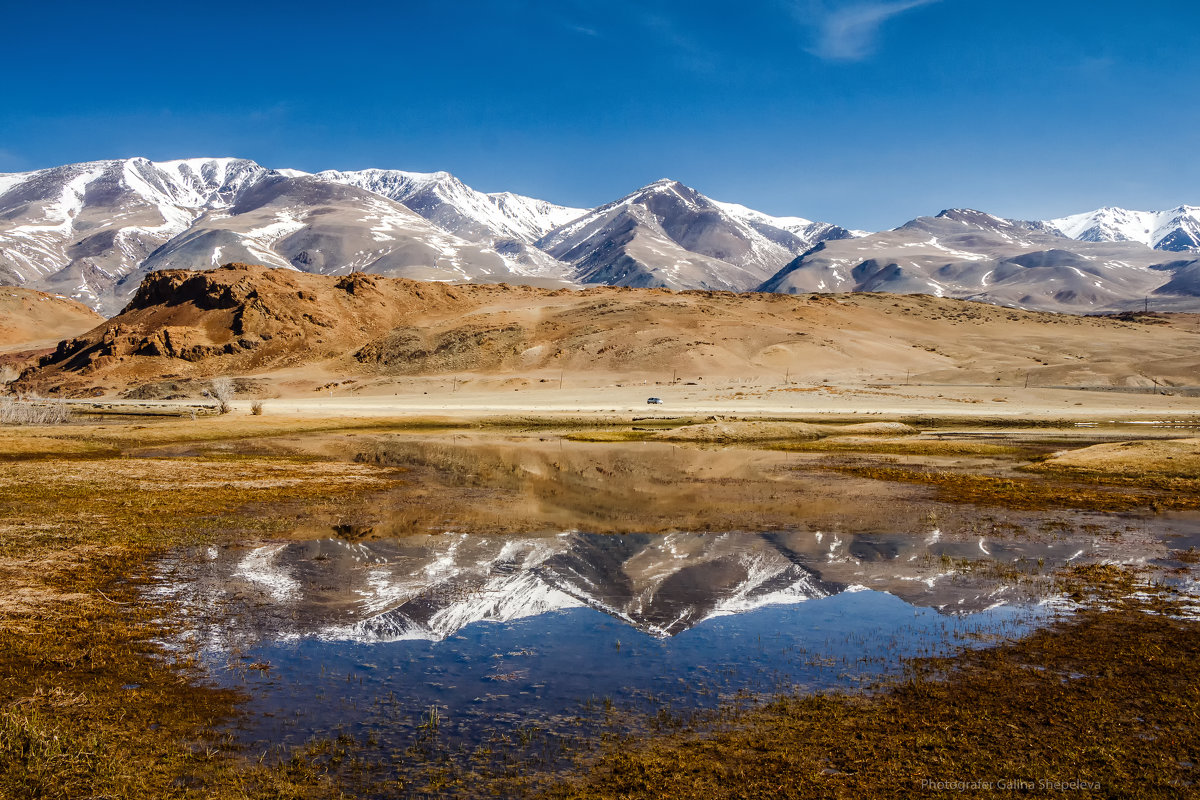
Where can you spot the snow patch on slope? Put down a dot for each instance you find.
(1174, 229)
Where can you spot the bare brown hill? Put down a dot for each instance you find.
(252, 320)
(31, 319)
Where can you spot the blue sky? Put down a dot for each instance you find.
(861, 112)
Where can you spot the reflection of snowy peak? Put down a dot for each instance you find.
(666, 584)
(656, 587)
(429, 587)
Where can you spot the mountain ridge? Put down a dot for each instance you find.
(94, 230)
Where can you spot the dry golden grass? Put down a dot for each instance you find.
(1146, 462)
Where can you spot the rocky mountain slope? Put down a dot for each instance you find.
(972, 255)
(254, 320)
(668, 234)
(1177, 229)
(92, 231)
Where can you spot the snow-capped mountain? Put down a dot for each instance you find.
(668, 234)
(509, 223)
(973, 255)
(455, 207)
(1176, 230)
(80, 228)
(91, 230)
(805, 230)
(315, 226)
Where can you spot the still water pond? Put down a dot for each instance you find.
(472, 637)
(506, 633)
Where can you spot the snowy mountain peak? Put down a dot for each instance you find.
(793, 224)
(455, 207)
(969, 216)
(1177, 229)
(668, 234)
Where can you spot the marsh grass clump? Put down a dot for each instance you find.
(39, 754)
(17, 411)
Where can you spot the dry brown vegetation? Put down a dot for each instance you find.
(19, 411)
(1169, 463)
(955, 486)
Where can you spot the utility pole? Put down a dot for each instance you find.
(560, 376)
(1026, 379)
(454, 386)
(786, 376)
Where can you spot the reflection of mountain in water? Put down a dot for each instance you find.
(431, 586)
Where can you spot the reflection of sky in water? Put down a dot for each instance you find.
(542, 670)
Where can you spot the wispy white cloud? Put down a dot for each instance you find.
(617, 20)
(849, 31)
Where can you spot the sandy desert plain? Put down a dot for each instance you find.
(441, 545)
